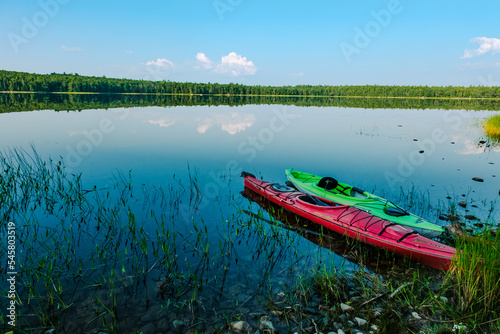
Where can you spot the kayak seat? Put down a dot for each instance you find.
(313, 200)
(396, 212)
(328, 183)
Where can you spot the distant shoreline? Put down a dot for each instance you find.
(263, 95)
(54, 83)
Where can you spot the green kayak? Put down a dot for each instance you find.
(331, 189)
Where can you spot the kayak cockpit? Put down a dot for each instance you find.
(332, 185)
(346, 191)
(316, 201)
(282, 188)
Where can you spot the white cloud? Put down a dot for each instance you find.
(205, 125)
(129, 52)
(231, 124)
(204, 60)
(160, 63)
(469, 145)
(486, 44)
(236, 65)
(65, 48)
(163, 123)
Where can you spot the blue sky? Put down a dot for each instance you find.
(416, 42)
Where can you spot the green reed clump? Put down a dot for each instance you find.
(474, 280)
(330, 285)
(492, 127)
(86, 256)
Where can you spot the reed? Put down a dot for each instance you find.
(75, 242)
(492, 127)
(474, 281)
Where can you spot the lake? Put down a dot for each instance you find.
(167, 219)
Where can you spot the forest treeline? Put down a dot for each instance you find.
(12, 102)
(74, 83)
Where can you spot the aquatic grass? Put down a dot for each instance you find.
(492, 127)
(86, 236)
(467, 296)
(474, 280)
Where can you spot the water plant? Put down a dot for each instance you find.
(85, 254)
(92, 258)
(474, 282)
(492, 127)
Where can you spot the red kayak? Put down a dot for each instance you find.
(356, 223)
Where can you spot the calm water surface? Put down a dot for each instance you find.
(375, 149)
(430, 153)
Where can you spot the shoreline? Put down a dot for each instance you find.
(264, 95)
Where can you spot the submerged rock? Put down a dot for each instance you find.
(361, 322)
(470, 217)
(266, 325)
(178, 324)
(478, 179)
(240, 326)
(453, 218)
(337, 325)
(345, 307)
(462, 204)
(455, 230)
